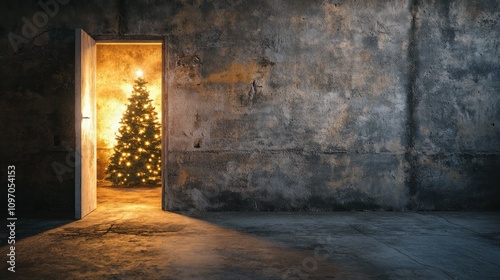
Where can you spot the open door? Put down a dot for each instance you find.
(85, 125)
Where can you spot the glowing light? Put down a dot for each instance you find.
(136, 119)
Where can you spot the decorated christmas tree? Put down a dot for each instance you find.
(137, 154)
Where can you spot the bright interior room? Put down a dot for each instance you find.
(120, 66)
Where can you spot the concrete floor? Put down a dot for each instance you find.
(129, 237)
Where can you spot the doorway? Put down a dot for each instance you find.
(118, 66)
(105, 76)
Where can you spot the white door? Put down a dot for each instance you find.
(85, 125)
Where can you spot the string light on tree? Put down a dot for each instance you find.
(137, 154)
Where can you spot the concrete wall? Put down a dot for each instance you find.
(37, 104)
(289, 105)
(456, 105)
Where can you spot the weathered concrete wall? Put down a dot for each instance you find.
(37, 104)
(304, 109)
(296, 105)
(457, 105)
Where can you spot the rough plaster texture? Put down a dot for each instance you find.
(304, 111)
(457, 105)
(288, 105)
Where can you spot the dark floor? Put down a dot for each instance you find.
(129, 237)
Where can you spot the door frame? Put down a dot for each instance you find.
(136, 40)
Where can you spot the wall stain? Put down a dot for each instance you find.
(235, 73)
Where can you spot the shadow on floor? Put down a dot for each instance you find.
(128, 236)
(27, 227)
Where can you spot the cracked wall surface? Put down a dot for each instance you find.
(289, 105)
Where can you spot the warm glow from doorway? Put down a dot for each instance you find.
(117, 68)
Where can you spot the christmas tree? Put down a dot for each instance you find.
(137, 154)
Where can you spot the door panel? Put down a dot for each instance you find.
(85, 125)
